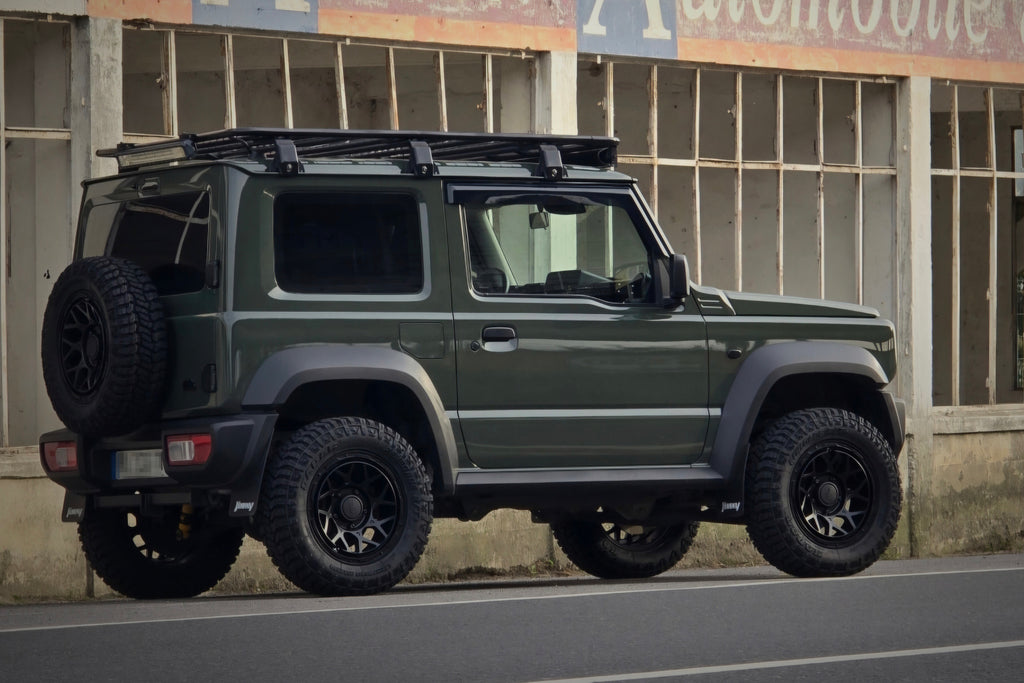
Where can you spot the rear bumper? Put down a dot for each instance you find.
(239, 447)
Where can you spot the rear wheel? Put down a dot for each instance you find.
(147, 557)
(347, 507)
(822, 493)
(614, 551)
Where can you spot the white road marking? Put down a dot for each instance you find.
(787, 663)
(782, 581)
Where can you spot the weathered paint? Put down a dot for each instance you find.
(846, 61)
(976, 29)
(971, 493)
(164, 11)
(440, 28)
(281, 15)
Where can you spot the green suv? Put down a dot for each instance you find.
(326, 339)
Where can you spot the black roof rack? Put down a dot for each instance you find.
(283, 149)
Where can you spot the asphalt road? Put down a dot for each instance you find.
(957, 619)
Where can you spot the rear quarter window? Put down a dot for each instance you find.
(168, 237)
(347, 243)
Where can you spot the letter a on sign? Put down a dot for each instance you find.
(642, 28)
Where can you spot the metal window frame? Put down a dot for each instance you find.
(170, 127)
(14, 133)
(991, 173)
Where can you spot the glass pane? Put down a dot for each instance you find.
(145, 82)
(416, 79)
(590, 96)
(632, 108)
(557, 246)
(717, 114)
(675, 112)
(942, 287)
(314, 84)
(878, 105)
(800, 234)
(259, 85)
(839, 121)
(974, 128)
(36, 67)
(760, 230)
(366, 87)
(718, 227)
(202, 100)
(464, 88)
(347, 243)
(800, 120)
(942, 126)
(759, 117)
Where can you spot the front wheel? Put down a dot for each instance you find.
(823, 493)
(347, 507)
(147, 556)
(614, 551)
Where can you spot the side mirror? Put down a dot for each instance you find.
(678, 277)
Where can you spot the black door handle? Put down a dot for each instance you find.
(498, 333)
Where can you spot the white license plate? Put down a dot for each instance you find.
(138, 464)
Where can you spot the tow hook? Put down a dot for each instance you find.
(185, 522)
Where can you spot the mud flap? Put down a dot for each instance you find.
(74, 507)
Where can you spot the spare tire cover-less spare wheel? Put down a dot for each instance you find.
(104, 347)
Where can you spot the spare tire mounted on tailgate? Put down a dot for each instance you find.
(104, 347)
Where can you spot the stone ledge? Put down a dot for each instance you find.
(20, 463)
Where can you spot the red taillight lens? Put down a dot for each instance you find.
(188, 449)
(61, 456)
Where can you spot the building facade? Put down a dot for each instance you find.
(868, 151)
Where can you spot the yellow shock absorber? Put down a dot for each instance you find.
(185, 522)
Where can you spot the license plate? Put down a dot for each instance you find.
(146, 464)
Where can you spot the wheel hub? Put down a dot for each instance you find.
(352, 508)
(828, 495)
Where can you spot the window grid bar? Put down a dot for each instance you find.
(858, 256)
(488, 94)
(652, 132)
(442, 94)
(339, 86)
(738, 131)
(779, 217)
(955, 249)
(820, 97)
(230, 111)
(286, 81)
(5, 270)
(169, 96)
(993, 252)
(389, 68)
(698, 246)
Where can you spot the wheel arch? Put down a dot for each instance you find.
(780, 378)
(307, 383)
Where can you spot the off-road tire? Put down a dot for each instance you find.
(347, 507)
(823, 493)
(104, 347)
(143, 558)
(611, 551)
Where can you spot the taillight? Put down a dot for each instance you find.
(61, 456)
(188, 449)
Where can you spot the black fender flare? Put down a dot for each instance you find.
(285, 371)
(755, 379)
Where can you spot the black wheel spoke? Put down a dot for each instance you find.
(357, 508)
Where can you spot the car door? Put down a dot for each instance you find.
(567, 354)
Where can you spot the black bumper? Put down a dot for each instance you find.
(239, 448)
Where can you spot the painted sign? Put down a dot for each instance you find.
(281, 15)
(642, 28)
(975, 29)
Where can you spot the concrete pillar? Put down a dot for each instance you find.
(914, 275)
(555, 95)
(96, 100)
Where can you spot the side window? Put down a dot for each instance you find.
(557, 245)
(167, 236)
(347, 243)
